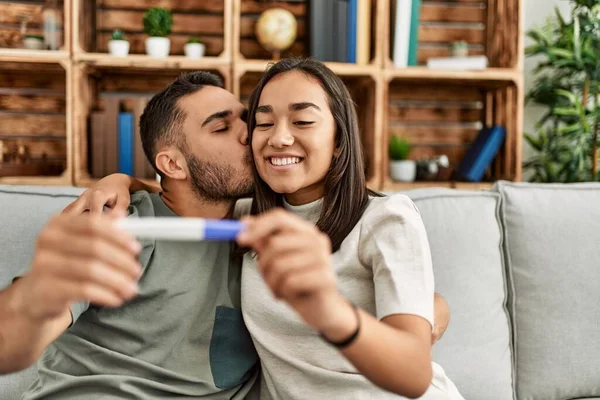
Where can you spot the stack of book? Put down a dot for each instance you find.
(340, 30)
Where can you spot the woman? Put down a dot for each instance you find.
(352, 272)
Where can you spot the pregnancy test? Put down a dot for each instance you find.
(182, 229)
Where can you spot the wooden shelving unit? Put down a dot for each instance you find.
(440, 111)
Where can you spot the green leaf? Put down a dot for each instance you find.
(533, 141)
(570, 128)
(533, 49)
(565, 111)
(561, 53)
(568, 95)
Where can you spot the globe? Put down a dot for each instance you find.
(276, 30)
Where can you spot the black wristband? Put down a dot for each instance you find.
(347, 342)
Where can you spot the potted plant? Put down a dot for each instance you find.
(566, 141)
(33, 42)
(117, 45)
(401, 168)
(157, 25)
(194, 49)
(460, 49)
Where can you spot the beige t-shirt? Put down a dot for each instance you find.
(384, 267)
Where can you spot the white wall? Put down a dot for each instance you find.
(536, 13)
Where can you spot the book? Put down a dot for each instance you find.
(458, 63)
(352, 30)
(481, 153)
(413, 40)
(320, 34)
(97, 143)
(402, 17)
(111, 109)
(126, 143)
(141, 166)
(363, 41)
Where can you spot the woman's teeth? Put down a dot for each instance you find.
(284, 161)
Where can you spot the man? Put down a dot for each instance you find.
(169, 325)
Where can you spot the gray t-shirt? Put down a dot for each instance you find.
(182, 337)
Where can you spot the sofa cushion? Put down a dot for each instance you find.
(24, 210)
(466, 242)
(553, 234)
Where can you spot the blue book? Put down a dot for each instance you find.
(125, 143)
(413, 44)
(481, 153)
(352, 30)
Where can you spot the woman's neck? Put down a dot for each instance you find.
(306, 195)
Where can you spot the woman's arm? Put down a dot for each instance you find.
(112, 191)
(295, 260)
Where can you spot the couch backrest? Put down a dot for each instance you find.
(23, 212)
(466, 238)
(553, 237)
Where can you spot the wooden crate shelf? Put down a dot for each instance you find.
(402, 186)
(246, 46)
(440, 111)
(207, 20)
(35, 118)
(140, 61)
(473, 21)
(11, 16)
(490, 76)
(444, 119)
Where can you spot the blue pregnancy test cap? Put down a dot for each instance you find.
(220, 229)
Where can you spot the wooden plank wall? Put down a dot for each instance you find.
(199, 18)
(11, 15)
(33, 113)
(447, 21)
(436, 119)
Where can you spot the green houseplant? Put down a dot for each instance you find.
(568, 86)
(401, 168)
(158, 23)
(194, 49)
(118, 46)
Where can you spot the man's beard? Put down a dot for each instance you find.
(216, 183)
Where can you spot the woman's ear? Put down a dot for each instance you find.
(172, 164)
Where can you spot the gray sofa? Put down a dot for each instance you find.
(517, 265)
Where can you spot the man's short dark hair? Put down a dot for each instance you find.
(163, 119)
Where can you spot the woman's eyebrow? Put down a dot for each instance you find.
(302, 106)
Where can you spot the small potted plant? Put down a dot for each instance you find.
(401, 168)
(157, 25)
(117, 45)
(460, 49)
(194, 49)
(33, 42)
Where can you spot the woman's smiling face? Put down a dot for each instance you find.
(293, 142)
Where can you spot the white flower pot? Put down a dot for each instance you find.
(33, 43)
(118, 48)
(194, 50)
(403, 171)
(158, 47)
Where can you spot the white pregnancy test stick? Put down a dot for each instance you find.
(181, 229)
